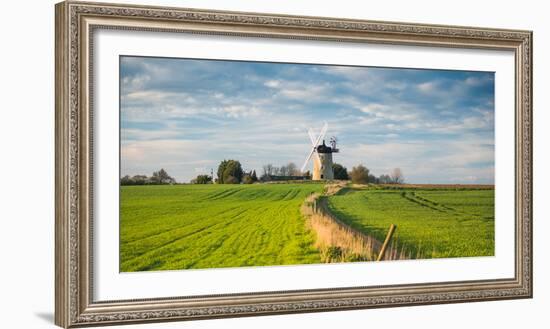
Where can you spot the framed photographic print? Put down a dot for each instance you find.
(217, 164)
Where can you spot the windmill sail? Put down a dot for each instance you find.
(314, 145)
(307, 159)
(315, 142)
(311, 136)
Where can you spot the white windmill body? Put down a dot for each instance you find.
(322, 155)
(322, 169)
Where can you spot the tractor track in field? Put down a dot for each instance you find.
(424, 202)
(411, 197)
(223, 194)
(172, 241)
(186, 236)
(171, 229)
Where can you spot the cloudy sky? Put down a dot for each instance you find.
(187, 115)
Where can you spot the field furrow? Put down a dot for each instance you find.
(193, 226)
(212, 226)
(431, 223)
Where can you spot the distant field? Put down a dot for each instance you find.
(205, 226)
(431, 222)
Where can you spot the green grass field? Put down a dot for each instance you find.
(209, 226)
(205, 226)
(430, 222)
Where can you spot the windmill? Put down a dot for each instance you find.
(321, 154)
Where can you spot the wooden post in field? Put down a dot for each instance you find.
(386, 242)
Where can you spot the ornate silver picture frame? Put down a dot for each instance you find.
(76, 23)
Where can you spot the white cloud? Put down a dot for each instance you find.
(135, 82)
(373, 108)
(305, 92)
(144, 135)
(392, 112)
(425, 162)
(485, 120)
(478, 80)
(427, 87)
(369, 120)
(272, 83)
(240, 111)
(348, 72)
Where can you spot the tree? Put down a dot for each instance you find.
(230, 172)
(397, 176)
(289, 170)
(267, 170)
(340, 172)
(283, 171)
(202, 179)
(360, 175)
(126, 180)
(373, 179)
(139, 180)
(253, 176)
(162, 177)
(221, 169)
(384, 179)
(292, 169)
(235, 170)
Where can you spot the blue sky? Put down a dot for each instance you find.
(187, 115)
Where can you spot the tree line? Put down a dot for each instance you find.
(289, 170)
(231, 172)
(160, 177)
(362, 175)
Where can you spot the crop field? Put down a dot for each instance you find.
(204, 226)
(210, 226)
(431, 222)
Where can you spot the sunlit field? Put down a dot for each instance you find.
(205, 226)
(431, 223)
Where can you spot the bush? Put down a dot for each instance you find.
(247, 179)
(231, 180)
(202, 179)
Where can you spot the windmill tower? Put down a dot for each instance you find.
(321, 154)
